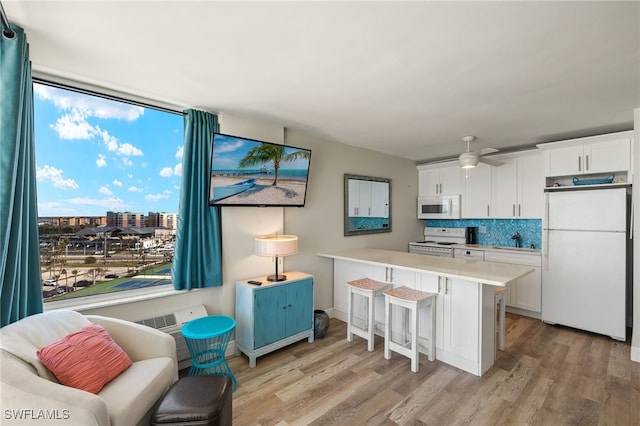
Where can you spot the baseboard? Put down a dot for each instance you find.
(635, 353)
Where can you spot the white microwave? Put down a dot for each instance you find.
(439, 207)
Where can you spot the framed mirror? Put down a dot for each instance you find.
(367, 205)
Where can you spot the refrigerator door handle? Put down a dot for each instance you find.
(545, 250)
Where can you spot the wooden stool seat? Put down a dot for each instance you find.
(412, 300)
(369, 289)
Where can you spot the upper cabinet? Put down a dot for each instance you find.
(610, 154)
(439, 179)
(518, 187)
(477, 197)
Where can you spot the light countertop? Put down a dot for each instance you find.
(498, 274)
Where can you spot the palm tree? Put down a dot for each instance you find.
(269, 152)
(75, 277)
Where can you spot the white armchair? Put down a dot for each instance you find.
(31, 394)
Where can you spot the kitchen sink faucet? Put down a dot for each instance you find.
(518, 239)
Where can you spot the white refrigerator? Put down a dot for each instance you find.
(584, 274)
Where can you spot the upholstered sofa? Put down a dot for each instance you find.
(30, 393)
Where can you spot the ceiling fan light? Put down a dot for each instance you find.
(467, 160)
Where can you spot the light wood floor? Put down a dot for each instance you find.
(548, 375)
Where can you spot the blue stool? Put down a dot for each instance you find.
(207, 339)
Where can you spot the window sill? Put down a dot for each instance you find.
(106, 300)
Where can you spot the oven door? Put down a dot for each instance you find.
(443, 207)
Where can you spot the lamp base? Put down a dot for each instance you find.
(277, 278)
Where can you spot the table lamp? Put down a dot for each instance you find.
(276, 246)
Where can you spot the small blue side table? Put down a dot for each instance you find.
(207, 339)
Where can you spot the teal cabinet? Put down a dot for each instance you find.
(274, 314)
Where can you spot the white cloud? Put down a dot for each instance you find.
(112, 203)
(116, 182)
(157, 197)
(55, 176)
(177, 170)
(134, 188)
(166, 172)
(129, 175)
(101, 161)
(127, 162)
(228, 147)
(105, 191)
(129, 150)
(92, 106)
(180, 153)
(74, 126)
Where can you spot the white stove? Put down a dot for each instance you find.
(439, 241)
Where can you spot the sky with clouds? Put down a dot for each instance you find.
(95, 155)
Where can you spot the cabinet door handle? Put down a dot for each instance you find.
(386, 274)
(514, 209)
(579, 163)
(446, 286)
(439, 285)
(586, 163)
(487, 210)
(519, 210)
(391, 274)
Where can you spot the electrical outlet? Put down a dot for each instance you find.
(482, 229)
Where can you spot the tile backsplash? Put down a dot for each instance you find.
(498, 232)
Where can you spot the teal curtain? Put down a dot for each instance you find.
(197, 262)
(20, 291)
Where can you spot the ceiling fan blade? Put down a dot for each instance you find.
(491, 161)
(485, 151)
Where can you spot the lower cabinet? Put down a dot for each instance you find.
(459, 333)
(273, 314)
(525, 293)
(465, 311)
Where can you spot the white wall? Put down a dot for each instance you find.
(635, 338)
(319, 225)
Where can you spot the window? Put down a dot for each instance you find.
(108, 179)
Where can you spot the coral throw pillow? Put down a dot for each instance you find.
(87, 359)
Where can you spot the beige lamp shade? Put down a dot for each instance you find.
(276, 246)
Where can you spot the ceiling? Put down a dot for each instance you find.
(405, 78)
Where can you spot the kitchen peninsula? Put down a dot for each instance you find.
(465, 305)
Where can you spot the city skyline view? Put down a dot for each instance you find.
(95, 155)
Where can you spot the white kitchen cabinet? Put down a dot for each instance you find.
(379, 199)
(434, 180)
(477, 195)
(344, 271)
(368, 198)
(597, 154)
(525, 292)
(518, 187)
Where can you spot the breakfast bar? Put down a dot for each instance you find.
(465, 304)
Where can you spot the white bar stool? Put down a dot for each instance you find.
(369, 289)
(412, 300)
(500, 305)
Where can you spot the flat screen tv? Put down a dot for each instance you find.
(248, 172)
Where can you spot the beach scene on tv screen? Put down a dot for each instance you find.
(249, 172)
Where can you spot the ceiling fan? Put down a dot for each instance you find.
(470, 159)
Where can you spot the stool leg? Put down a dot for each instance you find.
(432, 330)
(349, 314)
(371, 324)
(387, 327)
(502, 315)
(414, 339)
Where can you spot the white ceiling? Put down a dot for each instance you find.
(405, 78)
